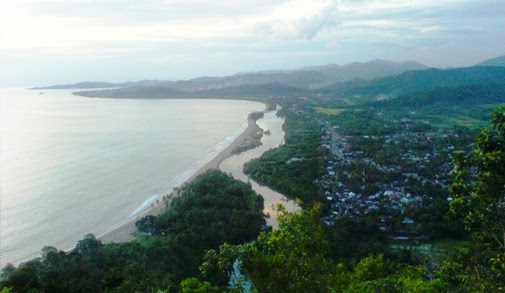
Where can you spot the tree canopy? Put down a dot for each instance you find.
(479, 200)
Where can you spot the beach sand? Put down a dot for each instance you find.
(127, 231)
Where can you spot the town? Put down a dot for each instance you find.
(390, 176)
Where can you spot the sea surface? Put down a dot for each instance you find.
(72, 165)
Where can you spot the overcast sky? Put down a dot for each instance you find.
(63, 41)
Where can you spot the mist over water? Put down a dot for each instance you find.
(72, 165)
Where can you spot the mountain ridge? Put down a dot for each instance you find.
(305, 77)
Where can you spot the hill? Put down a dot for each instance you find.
(300, 79)
(466, 95)
(498, 61)
(79, 85)
(248, 91)
(134, 92)
(415, 81)
(309, 77)
(319, 76)
(367, 70)
(99, 84)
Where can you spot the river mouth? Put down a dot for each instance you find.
(234, 165)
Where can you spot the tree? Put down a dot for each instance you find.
(7, 270)
(193, 285)
(290, 259)
(24, 278)
(479, 200)
(296, 258)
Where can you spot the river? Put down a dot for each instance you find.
(234, 165)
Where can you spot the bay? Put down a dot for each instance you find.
(71, 165)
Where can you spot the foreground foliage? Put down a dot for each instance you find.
(297, 258)
(479, 200)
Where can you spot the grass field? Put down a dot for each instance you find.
(432, 251)
(450, 120)
(329, 111)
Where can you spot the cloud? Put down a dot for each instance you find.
(255, 33)
(305, 28)
(432, 29)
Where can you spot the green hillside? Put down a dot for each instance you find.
(419, 80)
(462, 95)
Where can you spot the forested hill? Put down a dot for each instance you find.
(404, 84)
(162, 92)
(415, 81)
(99, 84)
(498, 61)
(477, 94)
(366, 70)
(80, 85)
(134, 92)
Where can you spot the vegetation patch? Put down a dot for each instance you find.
(449, 121)
(329, 111)
(293, 168)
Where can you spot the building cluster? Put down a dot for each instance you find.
(391, 185)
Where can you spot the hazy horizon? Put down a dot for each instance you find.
(46, 42)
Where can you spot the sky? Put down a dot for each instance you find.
(45, 42)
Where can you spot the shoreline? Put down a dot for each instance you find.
(127, 231)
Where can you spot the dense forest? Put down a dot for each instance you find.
(418, 80)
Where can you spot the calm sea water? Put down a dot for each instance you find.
(72, 165)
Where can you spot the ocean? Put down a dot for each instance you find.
(71, 165)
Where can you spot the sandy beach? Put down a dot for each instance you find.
(126, 231)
